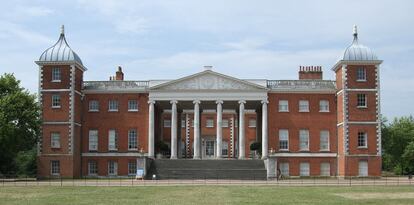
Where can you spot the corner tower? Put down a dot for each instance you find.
(358, 104)
(60, 92)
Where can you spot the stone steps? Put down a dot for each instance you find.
(207, 169)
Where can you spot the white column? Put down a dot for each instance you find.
(173, 129)
(242, 146)
(151, 129)
(219, 130)
(264, 129)
(197, 138)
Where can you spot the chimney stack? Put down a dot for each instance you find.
(119, 74)
(310, 72)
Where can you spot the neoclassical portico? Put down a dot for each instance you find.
(207, 90)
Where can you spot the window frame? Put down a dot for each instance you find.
(132, 138)
(224, 148)
(365, 100)
(327, 141)
(56, 75)
(224, 123)
(323, 172)
(301, 131)
(284, 168)
(361, 72)
(366, 173)
(91, 106)
(114, 146)
(112, 164)
(95, 168)
(130, 167)
(112, 103)
(301, 171)
(210, 123)
(321, 106)
(53, 168)
(365, 139)
(56, 101)
(283, 105)
(281, 131)
(91, 140)
(252, 123)
(166, 123)
(55, 143)
(131, 108)
(301, 105)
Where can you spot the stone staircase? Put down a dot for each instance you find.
(207, 169)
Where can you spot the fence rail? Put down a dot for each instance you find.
(131, 181)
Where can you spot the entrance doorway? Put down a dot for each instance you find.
(209, 148)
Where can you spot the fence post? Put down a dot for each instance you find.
(61, 181)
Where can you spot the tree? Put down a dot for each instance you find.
(19, 123)
(396, 138)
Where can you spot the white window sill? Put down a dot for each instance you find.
(134, 149)
(252, 126)
(362, 107)
(210, 126)
(55, 107)
(283, 150)
(55, 175)
(323, 110)
(113, 150)
(112, 110)
(324, 150)
(132, 110)
(361, 80)
(56, 81)
(303, 110)
(93, 110)
(362, 147)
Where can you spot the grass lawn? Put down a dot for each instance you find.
(207, 195)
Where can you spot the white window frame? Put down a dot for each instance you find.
(325, 169)
(112, 140)
(324, 140)
(93, 140)
(92, 166)
(132, 165)
(132, 139)
(323, 106)
(132, 105)
(362, 100)
(303, 105)
(361, 74)
(182, 123)
(55, 140)
(209, 123)
(56, 101)
(55, 167)
(113, 106)
(93, 106)
(56, 75)
(167, 123)
(362, 172)
(364, 135)
(252, 123)
(112, 168)
(303, 138)
(284, 168)
(283, 106)
(304, 169)
(225, 123)
(283, 136)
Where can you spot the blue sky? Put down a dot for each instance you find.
(245, 39)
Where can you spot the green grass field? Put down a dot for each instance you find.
(207, 195)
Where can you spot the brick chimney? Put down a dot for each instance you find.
(119, 74)
(310, 72)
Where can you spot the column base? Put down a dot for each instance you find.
(173, 157)
(195, 157)
(264, 157)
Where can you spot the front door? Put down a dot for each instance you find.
(209, 148)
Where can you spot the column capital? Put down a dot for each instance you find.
(173, 101)
(196, 101)
(219, 102)
(265, 101)
(151, 101)
(242, 102)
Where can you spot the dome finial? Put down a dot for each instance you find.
(62, 30)
(355, 33)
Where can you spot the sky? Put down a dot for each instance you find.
(169, 39)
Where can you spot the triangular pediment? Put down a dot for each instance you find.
(208, 80)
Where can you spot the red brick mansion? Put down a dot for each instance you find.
(305, 127)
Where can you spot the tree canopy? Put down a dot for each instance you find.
(398, 145)
(19, 126)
